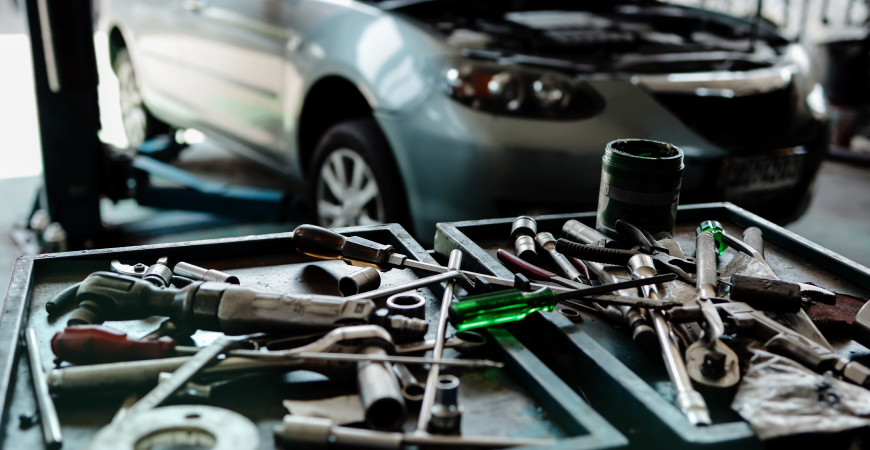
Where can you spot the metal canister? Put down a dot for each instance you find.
(640, 183)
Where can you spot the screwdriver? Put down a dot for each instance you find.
(325, 244)
(513, 305)
(89, 344)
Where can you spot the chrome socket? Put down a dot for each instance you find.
(446, 412)
(363, 280)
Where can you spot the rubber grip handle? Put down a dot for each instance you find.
(318, 242)
(518, 265)
(593, 253)
(89, 344)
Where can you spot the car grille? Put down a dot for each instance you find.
(738, 123)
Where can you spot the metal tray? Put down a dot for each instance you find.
(600, 362)
(526, 400)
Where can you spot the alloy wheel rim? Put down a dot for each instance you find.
(132, 110)
(347, 192)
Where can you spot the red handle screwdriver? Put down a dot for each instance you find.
(90, 344)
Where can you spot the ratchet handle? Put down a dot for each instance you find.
(325, 244)
(594, 253)
(89, 344)
(517, 265)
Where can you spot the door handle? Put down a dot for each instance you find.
(194, 5)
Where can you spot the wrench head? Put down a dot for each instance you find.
(465, 282)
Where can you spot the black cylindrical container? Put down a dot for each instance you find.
(640, 183)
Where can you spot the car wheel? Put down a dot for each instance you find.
(139, 124)
(353, 179)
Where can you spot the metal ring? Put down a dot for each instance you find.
(571, 314)
(219, 428)
(408, 304)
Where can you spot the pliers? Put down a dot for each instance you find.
(664, 262)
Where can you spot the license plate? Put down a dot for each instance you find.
(781, 169)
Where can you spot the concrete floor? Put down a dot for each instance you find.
(838, 217)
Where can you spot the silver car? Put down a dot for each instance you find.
(423, 111)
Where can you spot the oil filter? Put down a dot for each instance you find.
(640, 183)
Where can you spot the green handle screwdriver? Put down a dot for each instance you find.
(512, 305)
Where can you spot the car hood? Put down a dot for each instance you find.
(631, 37)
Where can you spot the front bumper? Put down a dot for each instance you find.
(461, 164)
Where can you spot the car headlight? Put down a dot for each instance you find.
(809, 83)
(522, 92)
(817, 102)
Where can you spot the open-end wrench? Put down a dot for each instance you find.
(709, 361)
(688, 400)
(412, 389)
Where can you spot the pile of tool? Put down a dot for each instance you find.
(345, 338)
(686, 312)
(744, 304)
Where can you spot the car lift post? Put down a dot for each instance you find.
(65, 80)
(78, 169)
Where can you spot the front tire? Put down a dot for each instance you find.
(353, 179)
(139, 124)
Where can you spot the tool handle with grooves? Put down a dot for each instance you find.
(593, 253)
(515, 265)
(325, 244)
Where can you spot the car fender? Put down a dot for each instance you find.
(392, 61)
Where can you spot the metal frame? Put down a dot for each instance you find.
(565, 407)
(599, 366)
(197, 194)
